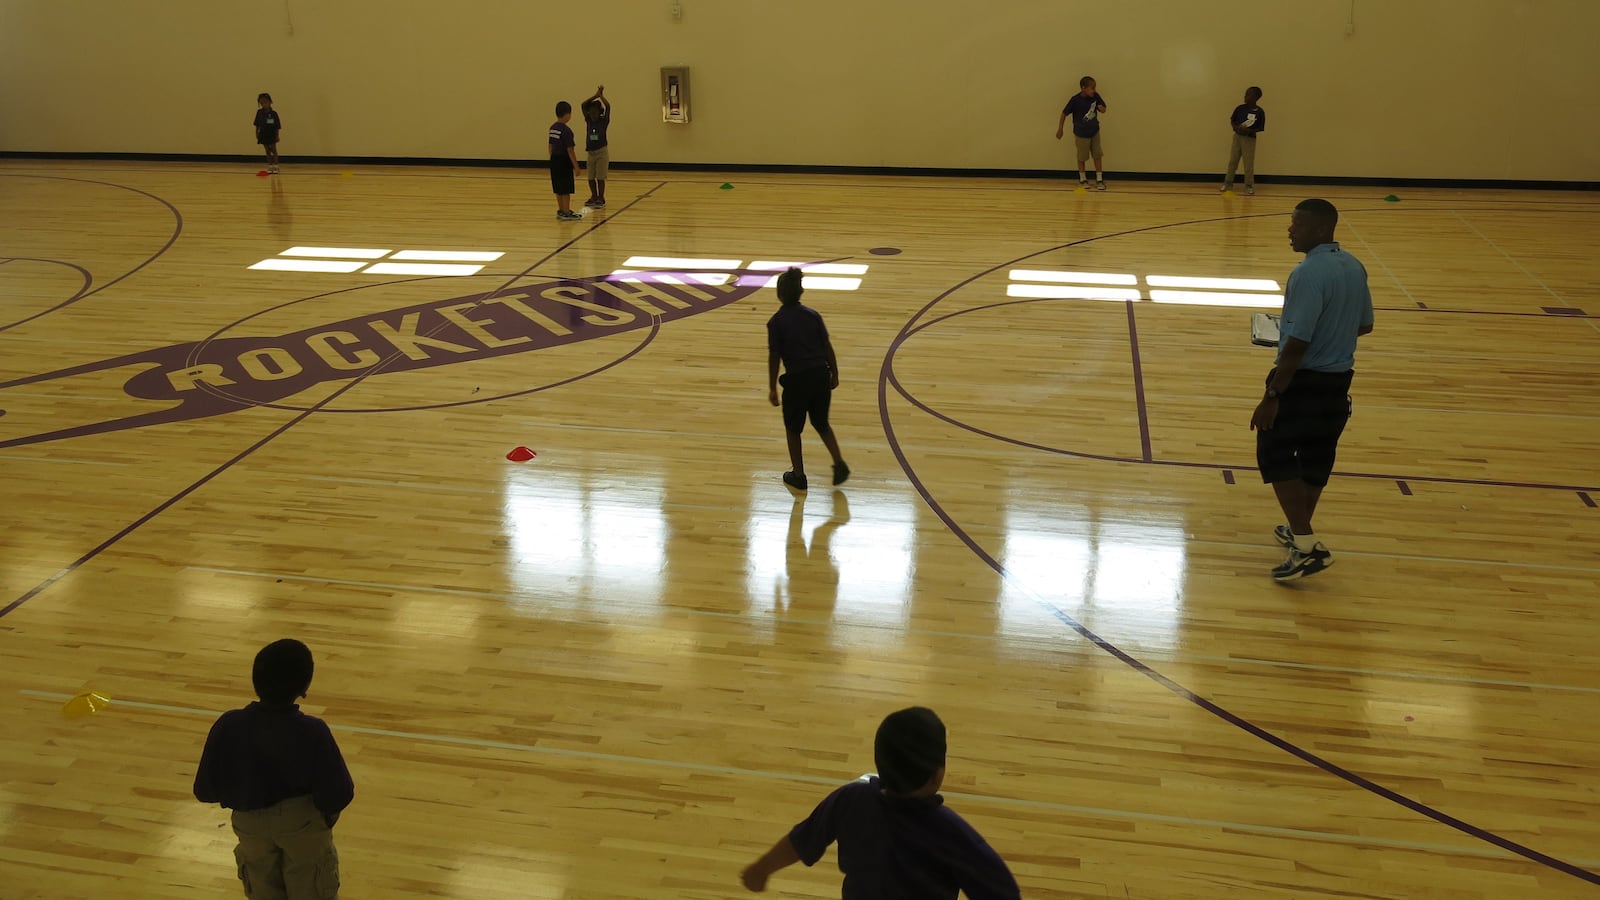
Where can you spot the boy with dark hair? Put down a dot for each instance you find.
(1248, 120)
(1085, 109)
(796, 335)
(281, 773)
(896, 837)
(597, 120)
(563, 162)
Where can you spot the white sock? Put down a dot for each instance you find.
(1305, 542)
(1099, 176)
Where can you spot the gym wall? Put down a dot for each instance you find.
(1453, 89)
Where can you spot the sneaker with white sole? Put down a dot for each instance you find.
(1303, 562)
(1099, 185)
(1284, 535)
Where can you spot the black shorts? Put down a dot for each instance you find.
(805, 394)
(1302, 443)
(561, 179)
(266, 138)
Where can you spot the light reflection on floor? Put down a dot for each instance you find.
(571, 540)
(1122, 578)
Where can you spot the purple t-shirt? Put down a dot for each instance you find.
(1250, 118)
(1084, 113)
(902, 848)
(560, 139)
(797, 335)
(263, 754)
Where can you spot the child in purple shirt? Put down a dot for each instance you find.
(896, 837)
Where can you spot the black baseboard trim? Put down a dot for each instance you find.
(766, 168)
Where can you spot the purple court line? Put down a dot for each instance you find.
(281, 429)
(1421, 305)
(177, 230)
(1138, 386)
(1227, 476)
(886, 377)
(1587, 500)
(1404, 488)
(911, 331)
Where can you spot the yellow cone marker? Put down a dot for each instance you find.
(86, 704)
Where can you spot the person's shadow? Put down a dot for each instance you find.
(279, 216)
(813, 573)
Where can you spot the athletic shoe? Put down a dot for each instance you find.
(589, 202)
(568, 216)
(1250, 190)
(840, 473)
(1226, 187)
(798, 482)
(598, 204)
(1284, 535)
(1303, 562)
(1099, 185)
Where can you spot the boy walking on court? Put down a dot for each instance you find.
(268, 124)
(563, 161)
(1248, 120)
(281, 773)
(1085, 109)
(797, 337)
(597, 119)
(896, 837)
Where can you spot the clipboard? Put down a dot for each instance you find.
(1264, 330)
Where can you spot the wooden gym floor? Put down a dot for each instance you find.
(624, 667)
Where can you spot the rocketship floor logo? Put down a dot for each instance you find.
(225, 374)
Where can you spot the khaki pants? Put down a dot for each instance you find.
(286, 852)
(1244, 147)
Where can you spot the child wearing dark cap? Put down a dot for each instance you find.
(281, 773)
(896, 837)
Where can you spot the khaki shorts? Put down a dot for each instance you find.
(599, 163)
(1088, 146)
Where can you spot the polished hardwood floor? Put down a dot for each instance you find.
(622, 668)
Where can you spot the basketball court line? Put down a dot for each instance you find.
(297, 419)
(591, 756)
(86, 291)
(1514, 261)
(887, 379)
(1036, 643)
(915, 327)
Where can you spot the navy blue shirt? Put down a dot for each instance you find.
(560, 139)
(1250, 118)
(267, 124)
(902, 848)
(797, 335)
(595, 136)
(266, 753)
(1085, 113)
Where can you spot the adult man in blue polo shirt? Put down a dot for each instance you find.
(1326, 307)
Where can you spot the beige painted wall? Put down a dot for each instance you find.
(1421, 88)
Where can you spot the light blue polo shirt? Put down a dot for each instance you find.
(1326, 305)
